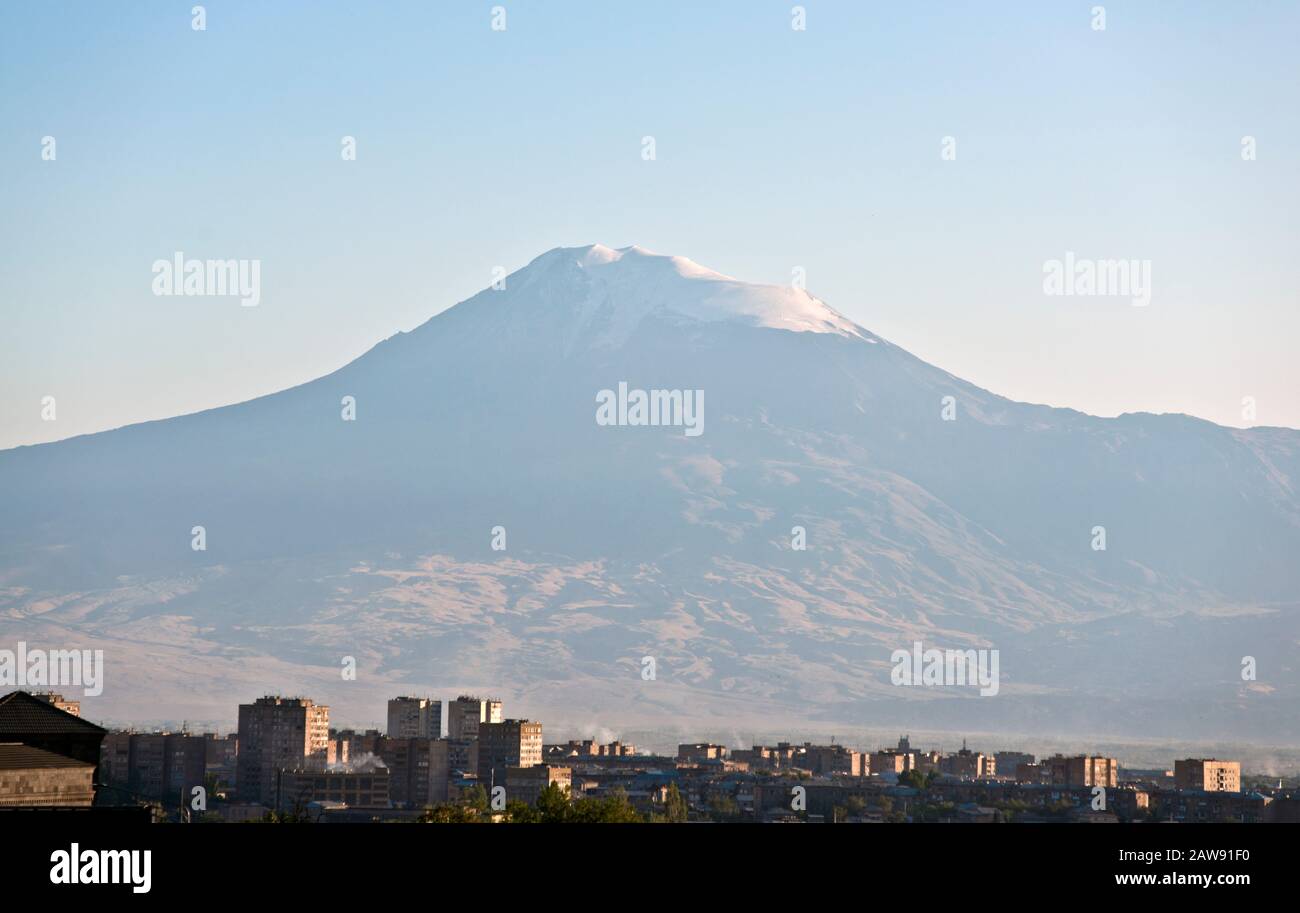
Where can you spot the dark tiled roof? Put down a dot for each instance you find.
(16, 756)
(20, 713)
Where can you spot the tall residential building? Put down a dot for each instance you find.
(414, 718)
(115, 760)
(466, 713)
(148, 768)
(359, 743)
(155, 765)
(185, 757)
(220, 757)
(408, 761)
(278, 733)
(509, 743)
(1208, 774)
(450, 760)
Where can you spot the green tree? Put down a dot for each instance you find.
(553, 805)
(676, 811)
(519, 812)
(613, 809)
(723, 808)
(475, 797)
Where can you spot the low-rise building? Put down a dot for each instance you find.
(32, 777)
(365, 786)
(525, 784)
(38, 723)
(701, 751)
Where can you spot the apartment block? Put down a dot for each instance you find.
(154, 765)
(408, 761)
(414, 718)
(1208, 774)
(888, 761)
(221, 755)
(115, 759)
(968, 765)
(450, 761)
(1008, 762)
(466, 713)
(1080, 770)
(278, 733)
(509, 743)
(701, 751)
(832, 759)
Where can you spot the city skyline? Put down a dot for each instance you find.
(286, 762)
(445, 711)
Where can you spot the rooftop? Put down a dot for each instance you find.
(23, 714)
(16, 756)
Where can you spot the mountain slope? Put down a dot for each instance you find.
(372, 537)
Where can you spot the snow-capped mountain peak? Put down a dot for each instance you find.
(607, 293)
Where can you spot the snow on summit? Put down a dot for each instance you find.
(609, 292)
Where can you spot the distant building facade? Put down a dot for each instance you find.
(968, 765)
(414, 718)
(1008, 762)
(525, 784)
(833, 759)
(701, 751)
(588, 748)
(221, 756)
(364, 787)
(1208, 774)
(451, 761)
(154, 765)
(59, 701)
(467, 712)
(509, 743)
(1079, 770)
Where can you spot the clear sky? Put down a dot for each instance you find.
(775, 149)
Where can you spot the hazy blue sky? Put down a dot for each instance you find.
(775, 149)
